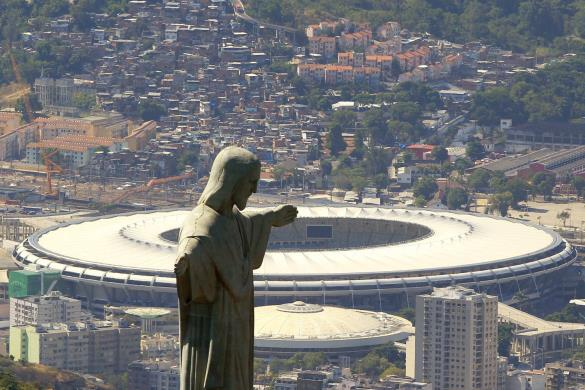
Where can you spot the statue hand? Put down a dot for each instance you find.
(283, 215)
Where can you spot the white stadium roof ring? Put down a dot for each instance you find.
(330, 250)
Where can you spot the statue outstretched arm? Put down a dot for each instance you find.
(258, 226)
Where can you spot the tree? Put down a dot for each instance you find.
(335, 141)
(84, 101)
(498, 182)
(578, 183)
(340, 121)
(326, 167)
(544, 183)
(52, 8)
(440, 154)
(461, 164)
(564, 216)
(392, 370)
(35, 105)
(284, 170)
(569, 313)
(150, 110)
(475, 150)
(407, 313)
(260, 366)
(494, 104)
(425, 187)
(501, 202)
(420, 202)
(372, 365)
(456, 197)
(375, 123)
(505, 335)
(312, 360)
(519, 190)
(479, 180)
(395, 67)
(391, 353)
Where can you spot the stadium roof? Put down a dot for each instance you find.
(132, 242)
(306, 325)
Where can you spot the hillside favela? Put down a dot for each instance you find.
(421, 164)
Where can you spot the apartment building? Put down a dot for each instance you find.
(382, 62)
(36, 310)
(336, 74)
(153, 375)
(110, 125)
(325, 46)
(9, 146)
(410, 60)
(456, 339)
(351, 58)
(94, 347)
(74, 151)
(356, 40)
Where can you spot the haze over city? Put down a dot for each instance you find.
(432, 154)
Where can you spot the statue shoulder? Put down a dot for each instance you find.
(200, 222)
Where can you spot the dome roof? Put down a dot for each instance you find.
(300, 322)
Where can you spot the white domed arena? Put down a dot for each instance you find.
(359, 257)
(282, 330)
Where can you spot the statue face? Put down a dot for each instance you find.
(246, 187)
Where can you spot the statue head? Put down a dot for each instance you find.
(234, 177)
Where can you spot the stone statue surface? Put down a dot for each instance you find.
(219, 247)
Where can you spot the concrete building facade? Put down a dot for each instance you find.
(456, 339)
(58, 95)
(96, 347)
(44, 309)
(153, 375)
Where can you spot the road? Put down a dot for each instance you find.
(240, 12)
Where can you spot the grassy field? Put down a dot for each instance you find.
(9, 94)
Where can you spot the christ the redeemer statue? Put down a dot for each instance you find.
(219, 246)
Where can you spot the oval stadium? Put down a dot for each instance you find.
(355, 256)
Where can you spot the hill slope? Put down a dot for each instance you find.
(514, 24)
(27, 376)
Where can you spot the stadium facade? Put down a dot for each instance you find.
(368, 257)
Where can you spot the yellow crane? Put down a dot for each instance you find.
(19, 80)
(151, 183)
(51, 168)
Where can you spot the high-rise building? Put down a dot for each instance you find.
(96, 347)
(502, 372)
(36, 310)
(456, 339)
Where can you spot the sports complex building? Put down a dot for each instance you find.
(367, 257)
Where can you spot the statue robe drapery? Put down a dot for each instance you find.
(215, 259)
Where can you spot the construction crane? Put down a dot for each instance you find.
(151, 183)
(51, 167)
(19, 80)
